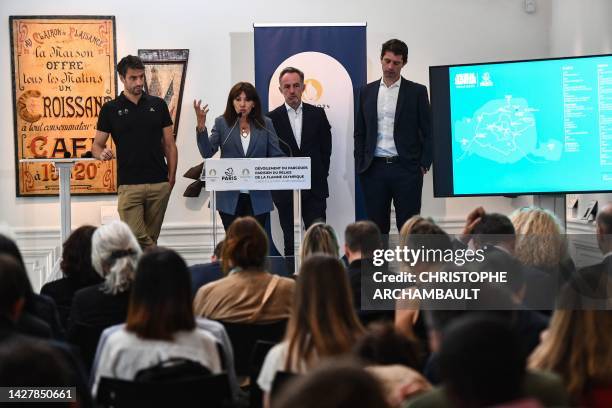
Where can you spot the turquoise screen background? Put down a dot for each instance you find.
(535, 126)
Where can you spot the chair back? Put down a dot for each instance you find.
(171, 369)
(86, 337)
(210, 391)
(258, 356)
(244, 337)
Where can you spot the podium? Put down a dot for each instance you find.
(63, 166)
(266, 173)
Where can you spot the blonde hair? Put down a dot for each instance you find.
(412, 223)
(539, 237)
(319, 238)
(423, 232)
(114, 255)
(577, 347)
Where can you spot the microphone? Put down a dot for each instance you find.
(277, 137)
(232, 128)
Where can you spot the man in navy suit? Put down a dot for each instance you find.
(393, 147)
(304, 131)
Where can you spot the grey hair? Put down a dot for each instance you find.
(114, 255)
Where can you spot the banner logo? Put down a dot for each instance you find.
(313, 91)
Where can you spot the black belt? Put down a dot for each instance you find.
(387, 160)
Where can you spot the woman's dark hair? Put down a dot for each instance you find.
(250, 92)
(76, 257)
(245, 245)
(160, 301)
(26, 362)
(9, 247)
(382, 345)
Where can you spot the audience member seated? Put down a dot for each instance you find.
(333, 385)
(77, 270)
(248, 294)
(495, 233)
(361, 239)
(160, 323)
(216, 329)
(419, 232)
(28, 363)
(12, 296)
(115, 252)
(482, 364)
(40, 317)
(114, 255)
(496, 300)
(394, 360)
(594, 282)
(474, 371)
(201, 274)
(323, 322)
(541, 243)
(528, 323)
(478, 354)
(319, 238)
(577, 347)
(24, 360)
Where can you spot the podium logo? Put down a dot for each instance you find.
(313, 90)
(229, 175)
(212, 172)
(246, 172)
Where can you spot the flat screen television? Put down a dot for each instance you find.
(522, 127)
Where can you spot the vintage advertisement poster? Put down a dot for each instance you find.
(63, 72)
(165, 78)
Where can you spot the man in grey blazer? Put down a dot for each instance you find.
(393, 147)
(242, 131)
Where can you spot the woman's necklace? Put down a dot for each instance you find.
(244, 132)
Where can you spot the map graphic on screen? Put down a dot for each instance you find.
(526, 127)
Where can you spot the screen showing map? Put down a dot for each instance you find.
(530, 127)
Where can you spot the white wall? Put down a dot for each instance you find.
(582, 28)
(219, 36)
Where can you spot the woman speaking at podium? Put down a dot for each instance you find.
(241, 132)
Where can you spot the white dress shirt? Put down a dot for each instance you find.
(295, 119)
(386, 104)
(245, 146)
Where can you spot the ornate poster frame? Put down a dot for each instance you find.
(39, 179)
(162, 58)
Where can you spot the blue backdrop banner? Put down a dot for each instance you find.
(333, 59)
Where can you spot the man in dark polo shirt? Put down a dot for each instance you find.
(141, 128)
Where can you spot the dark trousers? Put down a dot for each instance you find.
(243, 208)
(383, 182)
(313, 210)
